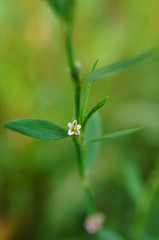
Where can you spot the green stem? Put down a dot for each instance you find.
(89, 201)
(69, 50)
(79, 157)
(79, 141)
(78, 101)
(88, 196)
(80, 148)
(74, 72)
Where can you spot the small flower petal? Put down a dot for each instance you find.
(70, 132)
(75, 122)
(78, 126)
(78, 133)
(74, 128)
(70, 125)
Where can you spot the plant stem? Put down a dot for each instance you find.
(88, 196)
(79, 141)
(81, 154)
(79, 158)
(89, 201)
(78, 101)
(74, 72)
(69, 50)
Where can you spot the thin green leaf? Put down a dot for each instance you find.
(116, 135)
(118, 66)
(87, 94)
(64, 8)
(92, 149)
(94, 65)
(85, 101)
(133, 180)
(94, 109)
(37, 128)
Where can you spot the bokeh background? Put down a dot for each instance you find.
(40, 191)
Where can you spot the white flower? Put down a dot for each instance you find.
(74, 128)
(93, 223)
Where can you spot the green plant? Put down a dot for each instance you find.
(85, 139)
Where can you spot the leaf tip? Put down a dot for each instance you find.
(105, 99)
(140, 128)
(95, 64)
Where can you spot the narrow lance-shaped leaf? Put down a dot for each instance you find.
(134, 183)
(93, 129)
(94, 109)
(37, 128)
(85, 101)
(87, 93)
(94, 65)
(118, 66)
(116, 135)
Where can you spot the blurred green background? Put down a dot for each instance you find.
(40, 191)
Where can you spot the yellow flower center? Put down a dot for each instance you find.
(74, 128)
